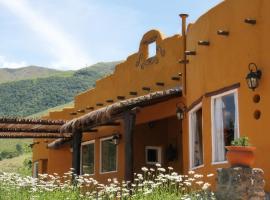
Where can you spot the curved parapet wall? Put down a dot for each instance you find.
(136, 76)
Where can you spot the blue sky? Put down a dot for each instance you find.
(70, 34)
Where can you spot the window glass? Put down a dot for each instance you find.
(108, 156)
(35, 169)
(196, 142)
(88, 157)
(225, 128)
(153, 154)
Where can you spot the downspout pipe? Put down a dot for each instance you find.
(184, 36)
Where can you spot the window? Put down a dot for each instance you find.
(35, 169)
(152, 49)
(108, 155)
(152, 155)
(88, 157)
(195, 137)
(224, 123)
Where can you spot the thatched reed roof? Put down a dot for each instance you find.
(30, 128)
(105, 114)
(58, 143)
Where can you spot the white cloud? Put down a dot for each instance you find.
(61, 46)
(4, 63)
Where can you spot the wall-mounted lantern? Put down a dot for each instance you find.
(116, 139)
(253, 76)
(180, 111)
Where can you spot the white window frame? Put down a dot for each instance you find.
(86, 143)
(35, 169)
(100, 156)
(195, 109)
(159, 154)
(237, 135)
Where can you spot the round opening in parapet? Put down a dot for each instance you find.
(257, 114)
(256, 98)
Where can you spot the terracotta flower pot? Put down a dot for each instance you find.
(241, 155)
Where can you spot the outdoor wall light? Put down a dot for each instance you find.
(253, 76)
(115, 139)
(180, 111)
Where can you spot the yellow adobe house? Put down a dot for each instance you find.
(129, 120)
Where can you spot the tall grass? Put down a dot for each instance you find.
(152, 184)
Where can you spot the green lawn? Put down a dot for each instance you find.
(10, 144)
(16, 164)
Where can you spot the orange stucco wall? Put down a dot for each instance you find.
(223, 63)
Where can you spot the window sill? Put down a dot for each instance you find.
(220, 163)
(197, 167)
(108, 172)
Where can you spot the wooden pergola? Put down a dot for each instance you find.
(110, 115)
(31, 128)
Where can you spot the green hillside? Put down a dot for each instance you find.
(27, 97)
(30, 72)
(57, 108)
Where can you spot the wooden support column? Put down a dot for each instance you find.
(129, 126)
(76, 154)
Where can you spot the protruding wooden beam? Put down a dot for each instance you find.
(160, 83)
(190, 53)
(204, 42)
(111, 124)
(222, 32)
(250, 21)
(89, 108)
(73, 113)
(121, 97)
(109, 101)
(81, 111)
(146, 88)
(90, 130)
(175, 78)
(184, 61)
(99, 104)
(133, 93)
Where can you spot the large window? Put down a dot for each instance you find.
(88, 157)
(108, 155)
(195, 137)
(224, 123)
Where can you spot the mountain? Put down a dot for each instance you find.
(30, 96)
(30, 72)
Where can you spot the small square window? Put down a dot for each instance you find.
(152, 155)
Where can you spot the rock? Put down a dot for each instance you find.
(240, 183)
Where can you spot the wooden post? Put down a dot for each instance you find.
(129, 125)
(76, 154)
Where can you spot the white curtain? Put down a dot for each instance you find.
(219, 146)
(236, 134)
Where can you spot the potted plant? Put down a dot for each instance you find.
(241, 153)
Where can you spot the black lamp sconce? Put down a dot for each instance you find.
(180, 110)
(253, 76)
(116, 138)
